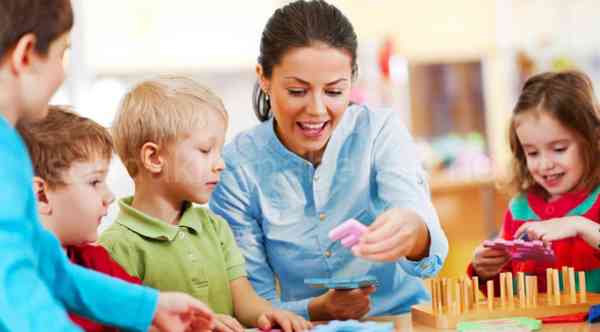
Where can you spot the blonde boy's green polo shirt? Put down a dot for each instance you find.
(198, 256)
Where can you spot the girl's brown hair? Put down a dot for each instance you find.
(569, 98)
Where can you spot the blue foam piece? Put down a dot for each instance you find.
(342, 283)
(353, 326)
(594, 313)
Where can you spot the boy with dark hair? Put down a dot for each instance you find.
(71, 155)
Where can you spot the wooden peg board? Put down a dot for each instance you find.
(452, 309)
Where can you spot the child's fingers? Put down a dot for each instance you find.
(264, 323)
(228, 324)
(526, 228)
(222, 327)
(285, 324)
(492, 261)
(494, 253)
(296, 325)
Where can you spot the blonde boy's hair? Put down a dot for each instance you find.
(62, 138)
(161, 111)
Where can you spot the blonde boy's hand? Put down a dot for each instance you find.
(287, 321)
(178, 312)
(488, 262)
(226, 323)
(550, 230)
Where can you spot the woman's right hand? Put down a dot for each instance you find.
(488, 262)
(341, 304)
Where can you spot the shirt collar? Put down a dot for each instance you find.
(154, 228)
(275, 145)
(558, 207)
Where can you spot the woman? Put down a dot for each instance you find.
(314, 162)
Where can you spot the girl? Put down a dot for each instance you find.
(556, 166)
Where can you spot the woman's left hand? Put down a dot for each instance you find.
(550, 230)
(394, 234)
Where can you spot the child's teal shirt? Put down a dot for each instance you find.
(37, 282)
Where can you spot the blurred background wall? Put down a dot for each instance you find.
(452, 68)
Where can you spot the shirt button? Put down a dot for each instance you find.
(316, 178)
(322, 216)
(327, 253)
(550, 209)
(181, 235)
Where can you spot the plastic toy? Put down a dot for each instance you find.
(349, 232)
(523, 250)
(354, 326)
(341, 283)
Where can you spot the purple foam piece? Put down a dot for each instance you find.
(349, 232)
(523, 250)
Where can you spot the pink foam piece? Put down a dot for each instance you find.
(350, 240)
(351, 228)
(523, 250)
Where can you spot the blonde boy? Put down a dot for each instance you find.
(169, 133)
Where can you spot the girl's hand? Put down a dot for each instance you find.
(488, 262)
(550, 230)
(287, 321)
(226, 323)
(394, 234)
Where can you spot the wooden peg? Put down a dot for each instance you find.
(521, 285)
(509, 288)
(582, 287)
(529, 290)
(549, 285)
(467, 293)
(490, 294)
(434, 295)
(475, 290)
(458, 296)
(449, 295)
(556, 284)
(444, 293)
(572, 290)
(535, 291)
(502, 289)
(565, 279)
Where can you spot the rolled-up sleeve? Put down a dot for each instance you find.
(232, 201)
(402, 183)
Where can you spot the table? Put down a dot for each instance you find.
(403, 323)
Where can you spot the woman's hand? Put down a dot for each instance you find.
(287, 321)
(488, 262)
(341, 304)
(394, 234)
